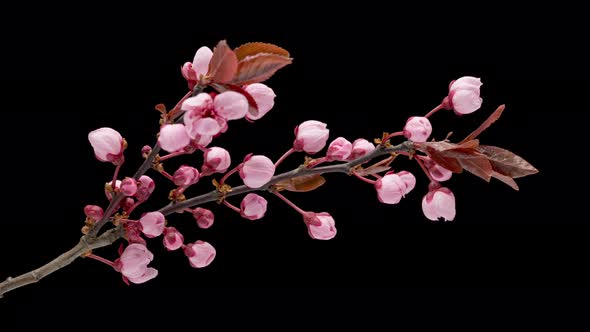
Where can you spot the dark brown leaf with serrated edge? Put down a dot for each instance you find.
(506, 162)
(258, 68)
(488, 122)
(250, 49)
(506, 179)
(303, 183)
(223, 65)
(252, 106)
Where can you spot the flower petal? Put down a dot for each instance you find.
(231, 105)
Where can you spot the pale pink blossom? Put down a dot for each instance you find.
(256, 171)
(393, 187)
(207, 116)
(464, 95)
(253, 207)
(409, 180)
(311, 136)
(192, 71)
(186, 176)
(108, 145)
(361, 147)
(133, 264)
(436, 171)
(172, 238)
(204, 217)
(321, 226)
(264, 98)
(200, 254)
(145, 187)
(418, 129)
(93, 212)
(339, 149)
(216, 160)
(173, 137)
(439, 203)
(152, 224)
(128, 187)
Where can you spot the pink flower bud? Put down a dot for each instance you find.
(133, 264)
(134, 234)
(311, 136)
(172, 238)
(439, 203)
(339, 149)
(152, 224)
(361, 147)
(145, 188)
(127, 204)
(216, 160)
(146, 150)
(257, 171)
(107, 144)
(264, 97)
(231, 105)
(108, 185)
(203, 217)
(253, 207)
(464, 95)
(436, 171)
(186, 176)
(393, 187)
(128, 187)
(173, 137)
(93, 212)
(418, 129)
(200, 254)
(321, 226)
(201, 61)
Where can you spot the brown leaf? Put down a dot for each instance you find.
(373, 170)
(434, 151)
(506, 162)
(506, 179)
(250, 49)
(303, 183)
(224, 63)
(458, 157)
(252, 106)
(488, 122)
(258, 68)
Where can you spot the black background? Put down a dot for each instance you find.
(361, 69)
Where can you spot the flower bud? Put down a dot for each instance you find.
(145, 188)
(253, 207)
(203, 217)
(439, 203)
(186, 176)
(321, 226)
(172, 238)
(216, 160)
(173, 137)
(393, 187)
(93, 212)
(264, 97)
(133, 264)
(152, 224)
(311, 136)
(257, 171)
(339, 149)
(464, 95)
(361, 147)
(200, 254)
(108, 145)
(418, 129)
(128, 187)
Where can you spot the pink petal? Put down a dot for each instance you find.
(445, 204)
(466, 82)
(231, 105)
(466, 101)
(207, 127)
(196, 102)
(173, 137)
(264, 97)
(149, 274)
(201, 60)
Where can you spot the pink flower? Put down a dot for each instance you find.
(311, 136)
(393, 187)
(173, 137)
(264, 97)
(253, 207)
(186, 176)
(464, 95)
(418, 129)
(172, 238)
(128, 187)
(321, 226)
(108, 145)
(200, 65)
(93, 212)
(361, 147)
(127, 204)
(133, 264)
(339, 149)
(145, 188)
(216, 160)
(203, 217)
(134, 234)
(146, 150)
(200, 254)
(436, 171)
(257, 171)
(208, 117)
(439, 203)
(152, 224)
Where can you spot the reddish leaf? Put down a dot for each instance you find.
(434, 150)
(373, 170)
(488, 122)
(252, 106)
(258, 68)
(506, 162)
(302, 183)
(458, 157)
(224, 63)
(506, 179)
(250, 49)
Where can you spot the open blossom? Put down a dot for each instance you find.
(204, 217)
(152, 224)
(93, 212)
(339, 149)
(257, 171)
(393, 187)
(321, 226)
(128, 186)
(173, 137)
(264, 98)
(418, 129)
(133, 264)
(360, 147)
(172, 238)
(216, 160)
(436, 171)
(253, 207)
(192, 71)
(439, 203)
(208, 116)
(464, 95)
(145, 188)
(200, 254)
(108, 145)
(311, 136)
(186, 176)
